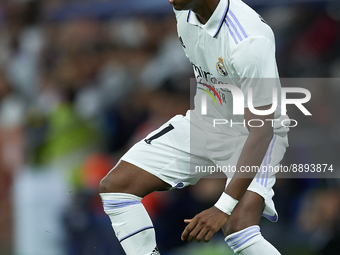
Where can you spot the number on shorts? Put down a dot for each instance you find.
(159, 134)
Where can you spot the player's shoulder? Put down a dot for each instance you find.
(247, 24)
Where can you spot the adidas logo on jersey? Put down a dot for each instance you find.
(182, 43)
(155, 251)
(262, 19)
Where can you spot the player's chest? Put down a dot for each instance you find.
(209, 55)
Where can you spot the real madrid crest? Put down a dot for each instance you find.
(221, 68)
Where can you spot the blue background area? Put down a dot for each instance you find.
(120, 8)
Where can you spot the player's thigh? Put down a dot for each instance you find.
(166, 153)
(246, 213)
(128, 178)
(160, 161)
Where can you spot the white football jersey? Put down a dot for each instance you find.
(234, 47)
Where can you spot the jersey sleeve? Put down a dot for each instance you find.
(255, 64)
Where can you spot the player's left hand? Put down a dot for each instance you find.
(204, 225)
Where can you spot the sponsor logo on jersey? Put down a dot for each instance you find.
(220, 67)
(207, 76)
(211, 89)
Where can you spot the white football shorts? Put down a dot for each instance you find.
(180, 153)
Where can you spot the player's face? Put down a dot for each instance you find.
(183, 4)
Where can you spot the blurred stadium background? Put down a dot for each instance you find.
(81, 81)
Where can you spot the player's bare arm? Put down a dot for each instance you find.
(252, 154)
(207, 223)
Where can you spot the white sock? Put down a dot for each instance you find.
(249, 241)
(131, 223)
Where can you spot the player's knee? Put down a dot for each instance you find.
(104, 186)
(247, 213)
(113, 183)
(235, 224)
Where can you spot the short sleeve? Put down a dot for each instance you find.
(255, 64)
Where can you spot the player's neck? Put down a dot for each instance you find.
(205, 9)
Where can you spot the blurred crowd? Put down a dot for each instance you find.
(76, 93)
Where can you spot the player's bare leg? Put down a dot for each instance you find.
(242, 229)
(128, 178)
(122, 191)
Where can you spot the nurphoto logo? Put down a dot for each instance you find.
(238, 103)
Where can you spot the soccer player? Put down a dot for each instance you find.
(226, 42)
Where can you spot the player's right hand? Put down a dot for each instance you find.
(204, 225)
